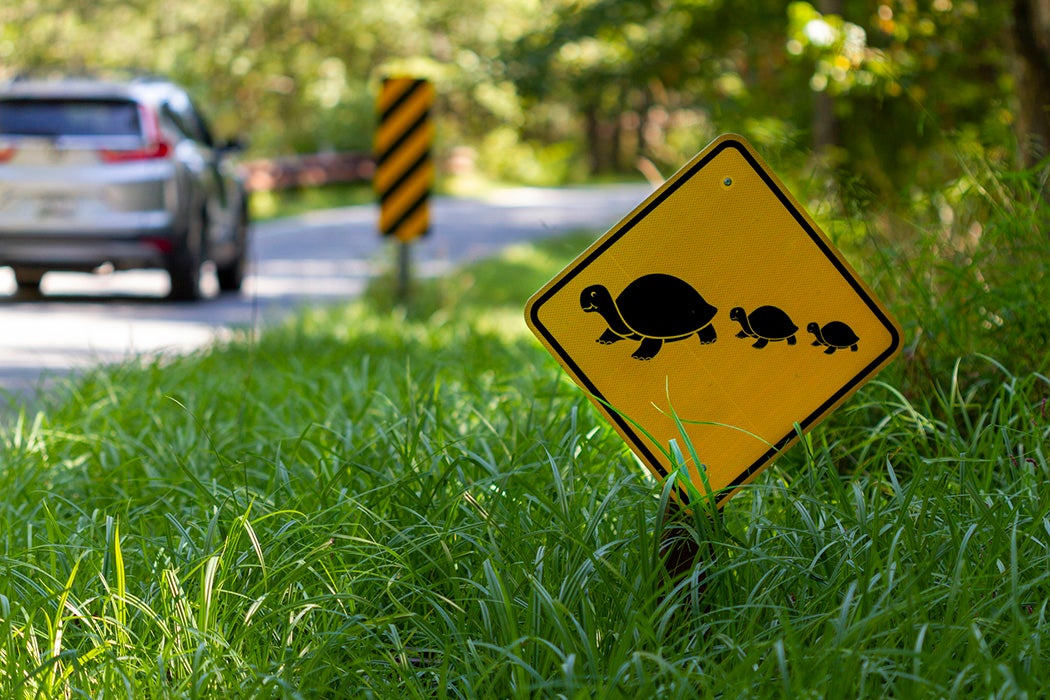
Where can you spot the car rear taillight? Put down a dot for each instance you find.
(6, 154)
(155, 147)
(163, 245)
(160, 149)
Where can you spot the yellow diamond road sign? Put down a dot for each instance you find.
(718, 312)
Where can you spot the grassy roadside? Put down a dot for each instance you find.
(273, 204)
(379, 503)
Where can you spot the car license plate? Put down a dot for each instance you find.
(56, 205)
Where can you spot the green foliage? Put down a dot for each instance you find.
(974, 281)
(297, 76)
(509, 159)
(545, 92)
(908, 83)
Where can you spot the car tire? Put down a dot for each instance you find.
(231, 275)
(184, 265)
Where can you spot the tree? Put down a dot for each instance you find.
(1031, 45)
(912, 83)
(877, 86)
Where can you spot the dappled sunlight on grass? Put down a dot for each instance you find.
(504, 324)
(501, 283)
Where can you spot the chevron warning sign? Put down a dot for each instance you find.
(404, 172)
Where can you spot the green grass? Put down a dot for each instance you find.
(272, 204)
(374, 502)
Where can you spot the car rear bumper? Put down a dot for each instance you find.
(144, 247)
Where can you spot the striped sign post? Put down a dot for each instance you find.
(404, 172)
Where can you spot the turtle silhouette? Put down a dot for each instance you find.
(654, 309)
(766, 324)
(835, 335)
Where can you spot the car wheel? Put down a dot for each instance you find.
(231, 275)
(184, 266)
(28, 280)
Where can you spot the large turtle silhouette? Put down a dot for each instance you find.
(654, 309)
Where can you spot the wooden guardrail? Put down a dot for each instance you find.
(308, 170)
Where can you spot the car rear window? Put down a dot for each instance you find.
(53, 117)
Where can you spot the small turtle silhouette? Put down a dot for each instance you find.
(653, 309)
(766, 324)
(835, 335)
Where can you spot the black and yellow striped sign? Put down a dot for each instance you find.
(404, 172)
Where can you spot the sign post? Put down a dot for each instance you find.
(404, 173)
(715, 323)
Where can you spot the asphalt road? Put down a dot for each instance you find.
(84, 320)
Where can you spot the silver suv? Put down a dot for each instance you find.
(121, 174)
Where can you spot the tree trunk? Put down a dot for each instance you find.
(616, 145)
(590, 130)
(601, 137)
(1031, 41)
(825, 124)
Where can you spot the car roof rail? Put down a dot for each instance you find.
(147, 77)
(28, 74)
